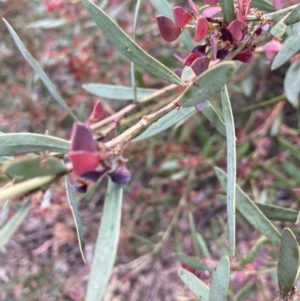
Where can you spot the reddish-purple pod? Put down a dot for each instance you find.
(211, 2)
(94, 175)
(193, 7)
(245, 56)
(167, 28)
(240, 16)
(200, 50)
(271, 48)
(214, 47)
(200, 65)
(82, 138)
(201, 30)
(278, 4)
(83, 161)
(181, 17)
(121, 175)
(211, 11)
(236, 30)
(98, 111)
(226, 35)
(222, 53)
(190, 59)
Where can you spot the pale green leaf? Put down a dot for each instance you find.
(8, 230)
(48, 23)
(77, 220)
(40, 72)
(292, 83)
(166, 122)
(228, 10)
(265, 5)
(192, 262)
(278, 30)
(294, 16)
(22, 143)
(206, 84)
(194, 284)
(107, 243)
(219, 281)
(117, 92)
(164, 8)
(277, 213)
(290, 47)
(231, 165)
(25, 187)
(288, 262)
(127, 46)
(250, 211)
(34, 167)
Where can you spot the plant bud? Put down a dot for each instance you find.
(121, 175)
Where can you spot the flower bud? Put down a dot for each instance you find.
(121, 175)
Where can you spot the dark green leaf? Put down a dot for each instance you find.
(107, 243)
(127, 46)
(194, 284)
(77, 220)
(231, 166)
(34, 167)
(206, 84)
(294, 16)
(117, 92)
(219, 281)
(228, 10)
(21, 143)
(166, 122)
(7, 231)
(250, 211)
(290, 47)
(40, 72)
(292, 83)
(288, 263)
(193, 262)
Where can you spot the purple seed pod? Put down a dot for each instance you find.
(167, 28)
(222, 53)
(82, 138)
(82, 188)
(200, 65)
(226, 35)
(121, 175)
(201, 30)
(94, 175)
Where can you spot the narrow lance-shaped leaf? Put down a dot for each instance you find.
(290, 47)
(22, 143)
(166, 122)
(77, 220)
(228, 10)
(107, 243)
(288, 262)
(231, 165)
(194, 284)
(292, 83)
(7, 231)
(219, 281)
(265, 5)
(294, 16)
(250, 211)
(127, 46)
(206, 84)
(117, 92)
(40, 72)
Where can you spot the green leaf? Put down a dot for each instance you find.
(34, 167)
(206, 84)
(165, 122)
(127, 46)
(116, 92)
(40, 72)
(292, 83)
(192, 262)
(264, 5)
(293, 149)
(250, 211)
(77, 220)
(294, 16)
(228, 10)
(22, 143)
(194, 284)
(164, 8)
(211, 114)
(277, 213)
(8, 230)
(107, 243)
(48, 23)
(231, 166)
(288, 263)
(219, 281)
(290, 47)
(25, 187)
(278, 30)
